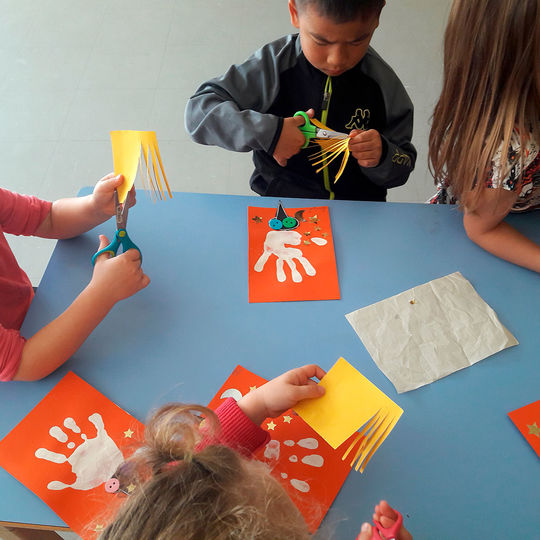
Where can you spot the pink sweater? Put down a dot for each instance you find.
(237, 430)
(21, 215)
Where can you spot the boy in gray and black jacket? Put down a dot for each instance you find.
(330, 70)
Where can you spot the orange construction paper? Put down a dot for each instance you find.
(311, 241)
(308, 468)
(81, 437)
(527, 420)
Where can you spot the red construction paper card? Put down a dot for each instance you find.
(66, 450)
(309, 469)
(527, 420)
(296, 263)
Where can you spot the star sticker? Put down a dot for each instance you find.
(257, 219)
(287, 419)
(98, 527)
(307, 242)
(128, 434)
(307, 233)
(317, 228)
(251, 388)
(314, 219)
(534, 430)
(271, 425)
(325, 234)
(131, 488)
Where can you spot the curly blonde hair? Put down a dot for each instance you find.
(189, 494)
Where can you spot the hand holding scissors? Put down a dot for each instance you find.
(121, 237)
(311, 131)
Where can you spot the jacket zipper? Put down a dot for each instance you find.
(324, 114)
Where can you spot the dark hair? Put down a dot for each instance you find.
(341, 11)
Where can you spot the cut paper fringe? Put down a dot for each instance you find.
(132, 149)
(330, 150)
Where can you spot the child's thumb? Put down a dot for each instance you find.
(365, 533)
(103, 243)
(311, 391)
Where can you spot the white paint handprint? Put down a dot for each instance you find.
(93, 462)
(275, 245)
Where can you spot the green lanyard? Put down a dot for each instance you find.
(324, 115)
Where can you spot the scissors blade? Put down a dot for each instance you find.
(121, 210)
(327, 134)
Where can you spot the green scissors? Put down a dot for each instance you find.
(121, 238)
(313, 132)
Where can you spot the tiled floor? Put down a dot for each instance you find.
(73, 70)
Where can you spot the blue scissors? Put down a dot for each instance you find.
(121, 238)
(313, 132)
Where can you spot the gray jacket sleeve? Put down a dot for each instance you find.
(230, 111)
(399, 157)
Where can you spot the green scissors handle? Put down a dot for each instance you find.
(121, 238)
(308, 129)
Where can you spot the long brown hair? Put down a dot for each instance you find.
(491, 85)
(211, 494)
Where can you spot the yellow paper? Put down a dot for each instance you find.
(350, 401)
(127, 147)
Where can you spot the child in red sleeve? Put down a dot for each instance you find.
(113, 279)
(195, 480)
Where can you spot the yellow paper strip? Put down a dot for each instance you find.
(350, 401)
(127, 146)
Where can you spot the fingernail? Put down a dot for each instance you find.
(366, 527)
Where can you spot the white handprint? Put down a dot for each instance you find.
(275, 245)
(93, 462)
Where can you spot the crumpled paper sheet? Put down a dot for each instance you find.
(430, 331)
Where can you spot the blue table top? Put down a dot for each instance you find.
(454, 465)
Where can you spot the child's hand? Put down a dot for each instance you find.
(366, 147)
(103, 195)
(282, 393)
(118, 277)
(291, 139)
(387, 516)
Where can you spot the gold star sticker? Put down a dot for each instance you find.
(314, 219)
(131, 488)
(257, 219)
(325, 234)
(98, 527)
(128, 434)
(534, 430)
(271, 425)
(287, 419)
(307, 242)
(317, 228)
(307, 233)
(251, 388)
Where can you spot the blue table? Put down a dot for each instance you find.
(455, 465)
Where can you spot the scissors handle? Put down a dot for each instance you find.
(390, 533)
(121, 238)
(308, 129)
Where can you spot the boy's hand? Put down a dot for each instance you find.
(366, 147)
(387, 516)
(282, 393)
(119, 277)
(103, 195)
(291, 139)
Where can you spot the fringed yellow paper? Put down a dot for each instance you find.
(127, 148)
(330, 149)
(351, 402)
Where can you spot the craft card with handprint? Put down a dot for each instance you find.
(67, 450)
(309, 469)
(291, 255)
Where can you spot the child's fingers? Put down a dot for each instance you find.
(312, 370)
(308, 391)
